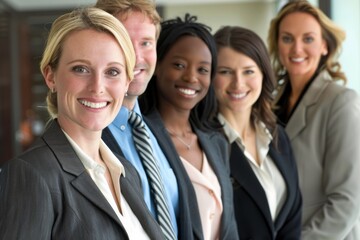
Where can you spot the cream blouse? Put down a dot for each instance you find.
(208, 195)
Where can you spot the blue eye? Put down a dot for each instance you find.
(113, 72)
(80, 69)
(146, 44)
(286, 39)
(308, 39)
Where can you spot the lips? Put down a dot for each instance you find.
(94, 105)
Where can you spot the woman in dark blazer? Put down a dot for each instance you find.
(179, 106)
(69, 185)
(267, 198)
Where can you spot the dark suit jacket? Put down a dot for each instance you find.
(217, 151)
(189, 227)
(46, 193)
(251, 207)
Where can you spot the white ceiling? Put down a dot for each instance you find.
(25, 5)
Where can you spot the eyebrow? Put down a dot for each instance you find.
(288, 33)
(89, 63)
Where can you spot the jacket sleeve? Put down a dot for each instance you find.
(25, 203)
(341, 164)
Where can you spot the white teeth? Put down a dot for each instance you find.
(93, 105)
(239, 95)
(297, 59)
(136, 72)
(187, 91)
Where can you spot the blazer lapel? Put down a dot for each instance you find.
(245, 177)
(71, 164)
(111, 142)
(297, 122)
(214, 159)
(279, 162)
(133, 197)
(187, 220)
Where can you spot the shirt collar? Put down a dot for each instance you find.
(110, 159)
(122, 117)
(262, 133)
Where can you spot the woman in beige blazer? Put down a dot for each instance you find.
(321, 119)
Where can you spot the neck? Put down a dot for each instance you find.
(239, 121)
(177, 121)
(129, 102)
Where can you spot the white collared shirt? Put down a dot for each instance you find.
(96, 171)
(266, 172)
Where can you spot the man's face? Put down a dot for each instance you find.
(143, 36)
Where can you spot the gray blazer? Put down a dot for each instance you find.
(46, 193)
(325, 135)
(217, 151)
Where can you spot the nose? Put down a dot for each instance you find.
(238, 79)
(138, 53)
(190, 75)
(96, 85)
(296, 46)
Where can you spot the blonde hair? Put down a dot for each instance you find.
(331, 33)
(125, 7)
(77, 20)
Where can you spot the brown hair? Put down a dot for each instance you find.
(247, 42)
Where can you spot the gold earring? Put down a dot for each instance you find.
(53, 90)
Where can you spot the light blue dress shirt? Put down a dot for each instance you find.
(122, 132)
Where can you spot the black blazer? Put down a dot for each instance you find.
(251, 207)
(46, 193)
(216, 149)
(189, 226)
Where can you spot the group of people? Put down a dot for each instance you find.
(161, 130)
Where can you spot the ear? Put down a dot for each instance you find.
(49, 77)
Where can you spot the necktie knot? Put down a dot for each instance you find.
(135, 120)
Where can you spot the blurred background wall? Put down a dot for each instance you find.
(24, 25)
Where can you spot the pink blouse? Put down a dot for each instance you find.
(208, 195)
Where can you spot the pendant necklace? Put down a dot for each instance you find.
(188, 145)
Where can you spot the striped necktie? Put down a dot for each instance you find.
(142, 144)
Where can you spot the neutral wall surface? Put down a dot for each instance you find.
(255, 16)
(347, 16)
